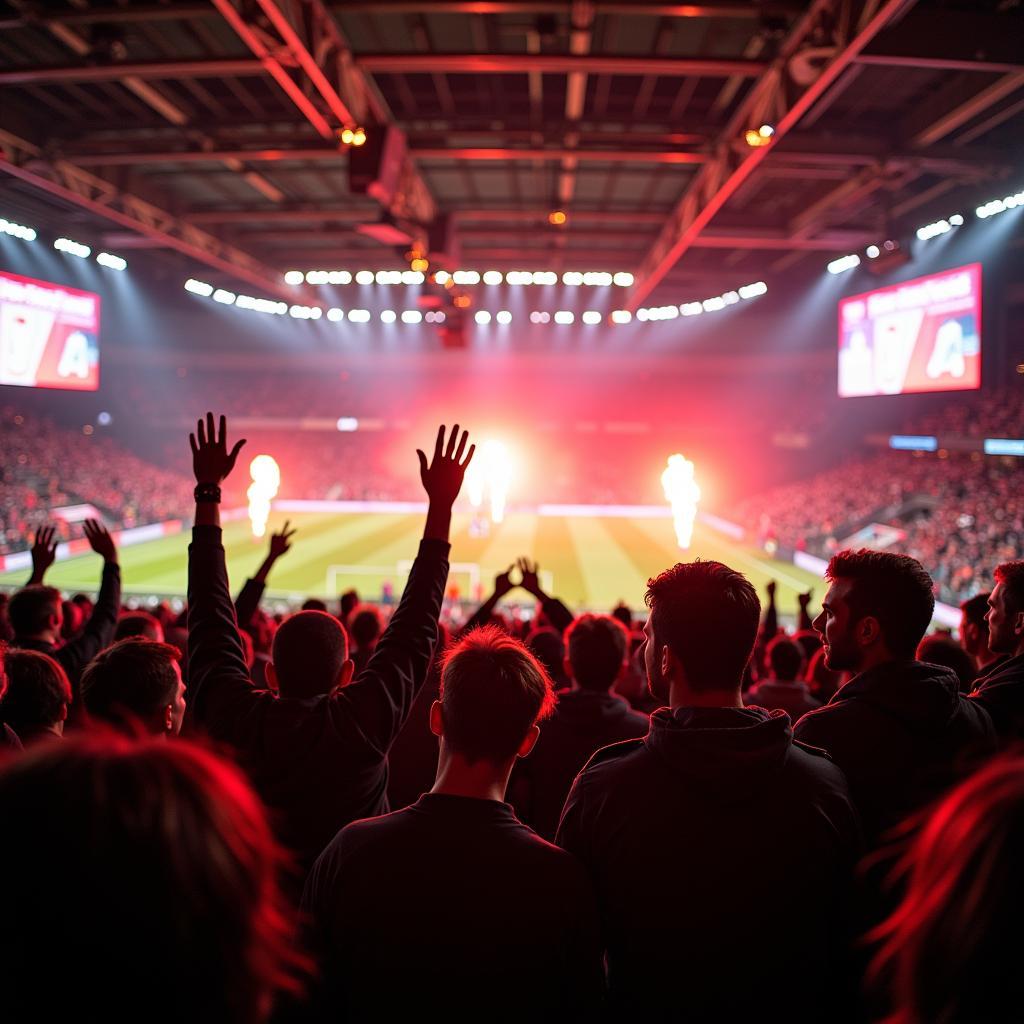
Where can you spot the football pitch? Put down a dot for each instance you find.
(588, 562)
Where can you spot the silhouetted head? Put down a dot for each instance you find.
(136, 682)
(1005, 609)
(785, 659)
(945, 651)
(139, 623)
(143, 878)
(877, 608)
(38, 694)
(701, 629)
(493, 694)
(596, 647)
(310, 655)
(365, 627)
(36, 611)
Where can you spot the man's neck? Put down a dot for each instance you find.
(683, 697)
(481, 780)
(45, 637)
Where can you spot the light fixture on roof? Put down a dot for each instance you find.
(388, 316)
(109, 260)
(990, 209)
(354, 136)
(199, 287)
(557, 218)
(483, 317)
(294, 277)
(72, 248)
(757, 137)
(621, 316)
(224, 296)
(364, 277)
(844, 263)
(8, 227)
(503, 316)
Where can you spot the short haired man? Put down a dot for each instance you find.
(136, 682)
(974, 633)
(783, 690)
(38, 693)
(139, 623)
(712, 788)
(900, 729)
(452, 907)
(589, 716)
(37, 613)
(317, 749)
(1001, 690)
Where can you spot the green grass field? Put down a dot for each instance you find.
(588, 563)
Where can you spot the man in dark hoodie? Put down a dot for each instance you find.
(713, 791)
(900, 729)
(588, 717)
(1001, 691)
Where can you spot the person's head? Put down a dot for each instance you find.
(365, 627)
(974, 626)
(139, 623)
(1005, 609)
(73, 617)
(950, 950)
(493, 694)
(38, 694)
(596, 649)
(939, 649)
(785, 659)
(623, 614)
(877, 608)
(309, 656)
(809, 642)
(148, 864)
(37, 612)
(822, 681)
(136, 682)
(548, 647)
(349, 603)
(314, 604)
(701, 629)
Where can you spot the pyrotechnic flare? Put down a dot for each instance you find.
(682, 493)
(489, 475)
(266, 479)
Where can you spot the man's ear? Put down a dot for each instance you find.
(868, 631)
(168, 718)
(529, 741)
(348, 668)
(668, 661)
(1018, 624)
(63, 713)
(436, 721)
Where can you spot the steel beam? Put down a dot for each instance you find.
(72, 184)
(556, 64)
(723, 9)
(719, 179)
(145, 70)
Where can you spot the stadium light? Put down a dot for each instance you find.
(72, 248)
(388, 316)
(224, 296)
(8, 227)
(364, 277)
(538, 317)
(482, 317)
(334, 314)
(411, 316)
(994, 206)
(261, 305)
(466, 277)
(317, 277)
(572, 278)
(108, 259)
(546, 277)
(591, 317)
(339, 277)
(442, 276)
(359, 316)
(621, 316)
(198, 287)
(347, 424)
(623, 279)
(294, 277)
(412, 277)
(691, 309)
(493, 277)
(939, 227)
(563, 316)
(844, 263)
(751, 291)
(503, 316)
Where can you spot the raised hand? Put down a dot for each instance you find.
(503, 583)
(530, 581)
(442, 478)
(211, 460)
(44, 552)
(100, 540)
(280, 543)
(771, 589)
(805, 599)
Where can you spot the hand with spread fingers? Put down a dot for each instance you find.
(44, 552)
(211, 460)
(100, 540)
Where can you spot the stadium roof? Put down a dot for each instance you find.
(213, 129)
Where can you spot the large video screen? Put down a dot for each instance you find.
(921, 335)
(49, 335)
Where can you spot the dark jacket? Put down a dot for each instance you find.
(793, 698)
(318, 762)
(1001, 693)
(97, 634)
(452, 909)
(902, 733)
(583, 722)
(707, 794)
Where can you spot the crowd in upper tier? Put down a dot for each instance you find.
(230, 816)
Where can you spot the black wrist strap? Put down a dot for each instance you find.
(207, 493)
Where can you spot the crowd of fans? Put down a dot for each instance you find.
(232, 816)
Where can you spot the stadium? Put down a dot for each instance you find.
(716, 287)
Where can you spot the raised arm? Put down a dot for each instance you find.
(382, 694)
(98, 632)
(250, 595)
(502, 585)
(220, 691)
(804, 619)
(558, 615)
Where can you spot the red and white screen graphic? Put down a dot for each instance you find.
(49, 335)
(921, 335)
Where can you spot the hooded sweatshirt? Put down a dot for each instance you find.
(902, 734)
(708, 795)
(583, 722)
(1001, 693)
